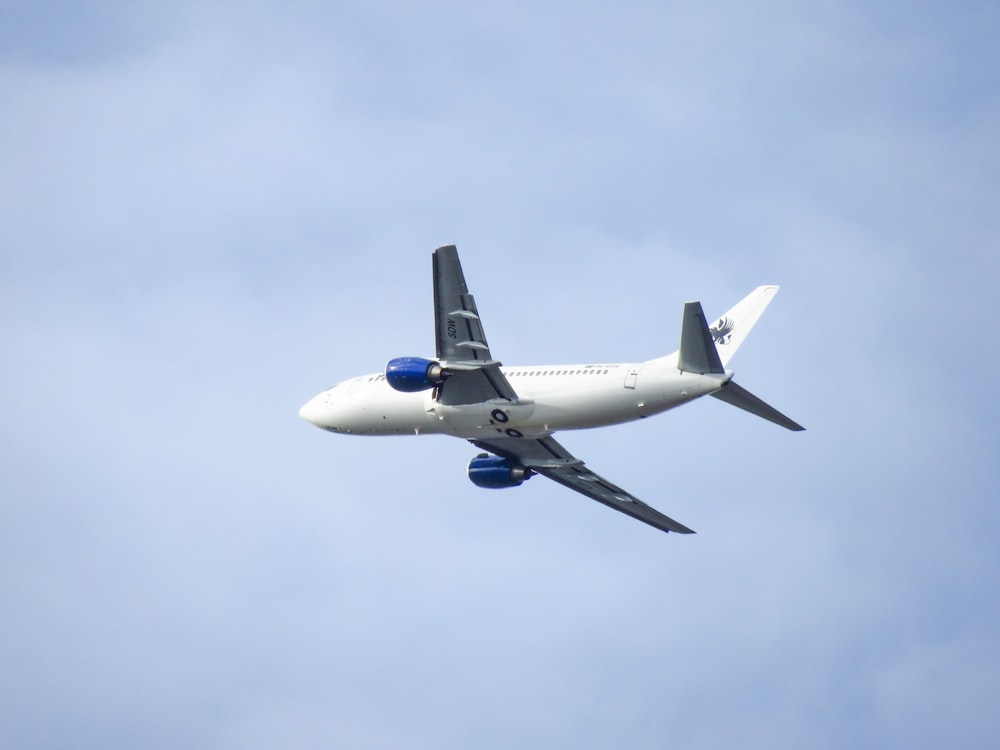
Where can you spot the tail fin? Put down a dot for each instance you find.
(732, 328)
(697, 353)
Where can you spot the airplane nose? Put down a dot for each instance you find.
(312, 411)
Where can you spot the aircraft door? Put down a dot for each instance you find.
(631, 376)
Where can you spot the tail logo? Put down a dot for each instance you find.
(722, 331)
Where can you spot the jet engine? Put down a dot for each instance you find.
(495, 472)
(412, 374)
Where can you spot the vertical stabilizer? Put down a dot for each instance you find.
(697, 352)
(732, 328)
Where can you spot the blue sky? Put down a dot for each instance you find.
(208, 214)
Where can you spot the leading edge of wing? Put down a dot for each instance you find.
(547, 457)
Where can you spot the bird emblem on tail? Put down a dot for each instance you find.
(722, 331)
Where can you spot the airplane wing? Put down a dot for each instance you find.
(474, 377)
(461, 343)
(547, 457)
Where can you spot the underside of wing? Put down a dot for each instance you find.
(459, 332)
(474, 376)
(547, 457)
(475, 386)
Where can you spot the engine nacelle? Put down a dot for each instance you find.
(412, 374)
(494, 472)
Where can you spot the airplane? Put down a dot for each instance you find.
(511, 413)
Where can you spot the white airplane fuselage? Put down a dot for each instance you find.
(550, 398)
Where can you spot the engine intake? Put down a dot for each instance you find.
(495, 472)
(412, 374)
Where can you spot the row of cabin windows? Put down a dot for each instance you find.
(376, 378)
(560, 372)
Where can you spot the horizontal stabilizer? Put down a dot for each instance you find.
(698, 353)
(742, 398)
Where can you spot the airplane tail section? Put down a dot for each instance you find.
(732, 328)
(705, 350)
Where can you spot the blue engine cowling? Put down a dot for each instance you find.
(412, 374)
(494, 472)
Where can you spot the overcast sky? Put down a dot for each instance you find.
(209, 212)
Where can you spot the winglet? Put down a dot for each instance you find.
(697, 353)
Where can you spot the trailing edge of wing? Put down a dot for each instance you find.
(741, 398)
(547, 457)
